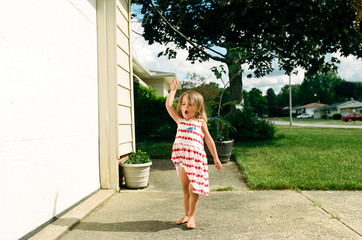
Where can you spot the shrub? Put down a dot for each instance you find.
(249, 128)
(324, 117)
(337, 116)
(151, 117)
(165, 132)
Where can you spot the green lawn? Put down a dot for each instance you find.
(298, 158)
(156, 150)
(304, 158)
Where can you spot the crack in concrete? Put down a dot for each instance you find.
(329, 213)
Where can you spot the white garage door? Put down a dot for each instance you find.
(49, 110)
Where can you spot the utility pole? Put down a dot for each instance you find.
(290, 100)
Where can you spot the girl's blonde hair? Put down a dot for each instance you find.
(196, 100)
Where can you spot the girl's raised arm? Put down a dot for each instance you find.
(170, 109)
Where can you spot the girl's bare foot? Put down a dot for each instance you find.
(183, 220)
(191, 223)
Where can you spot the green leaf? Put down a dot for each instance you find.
(138, 157)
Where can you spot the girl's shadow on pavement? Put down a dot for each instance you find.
(134, 226)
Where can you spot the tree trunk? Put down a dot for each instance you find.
(236, 83)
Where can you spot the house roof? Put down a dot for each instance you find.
(144, 74)
(312, 105)
(293, 108)
(353, 105)
(348, 104)
(140, 70)
(329, 106)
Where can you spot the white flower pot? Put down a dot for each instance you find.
(136, 175)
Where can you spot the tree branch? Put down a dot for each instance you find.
(137, 33)
(201, 48)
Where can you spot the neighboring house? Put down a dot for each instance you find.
(309, 108)
(343, 108)
(352, 107)
(327, 111)
(294, 109)
(160, 81)
(66, 106)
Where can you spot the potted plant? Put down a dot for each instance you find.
(220, 128)
(136, 169)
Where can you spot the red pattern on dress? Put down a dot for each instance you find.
(188, 148)
(190, 138)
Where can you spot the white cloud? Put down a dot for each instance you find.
(350, 68)
(147, 55)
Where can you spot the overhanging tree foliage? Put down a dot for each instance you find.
(254, 32)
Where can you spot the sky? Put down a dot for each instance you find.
(350, 68)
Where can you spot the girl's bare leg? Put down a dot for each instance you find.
(194, 200)
(185, 188)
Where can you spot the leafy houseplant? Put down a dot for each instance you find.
(136, 169)
(220, 128)
(138, 157)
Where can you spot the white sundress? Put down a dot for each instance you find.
(188, 149)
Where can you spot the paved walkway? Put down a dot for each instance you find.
(241, 214)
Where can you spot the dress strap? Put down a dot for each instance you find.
(201, 121)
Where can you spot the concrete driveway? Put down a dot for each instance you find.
(241, 214)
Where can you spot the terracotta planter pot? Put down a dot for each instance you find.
(136, 175)
(223, 148)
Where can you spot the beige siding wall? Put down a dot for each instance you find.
(124, 80)
(116, 128)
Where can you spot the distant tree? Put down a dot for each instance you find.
(258, 102)
(358, 91)
(236, 32)
(319, 87)
(208, 91)
(282, 98)
(192, 80)
(272, 104)
(346, 90)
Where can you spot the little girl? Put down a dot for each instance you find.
(188, 152)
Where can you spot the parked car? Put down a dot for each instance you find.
(304, 116)
(352, 117)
